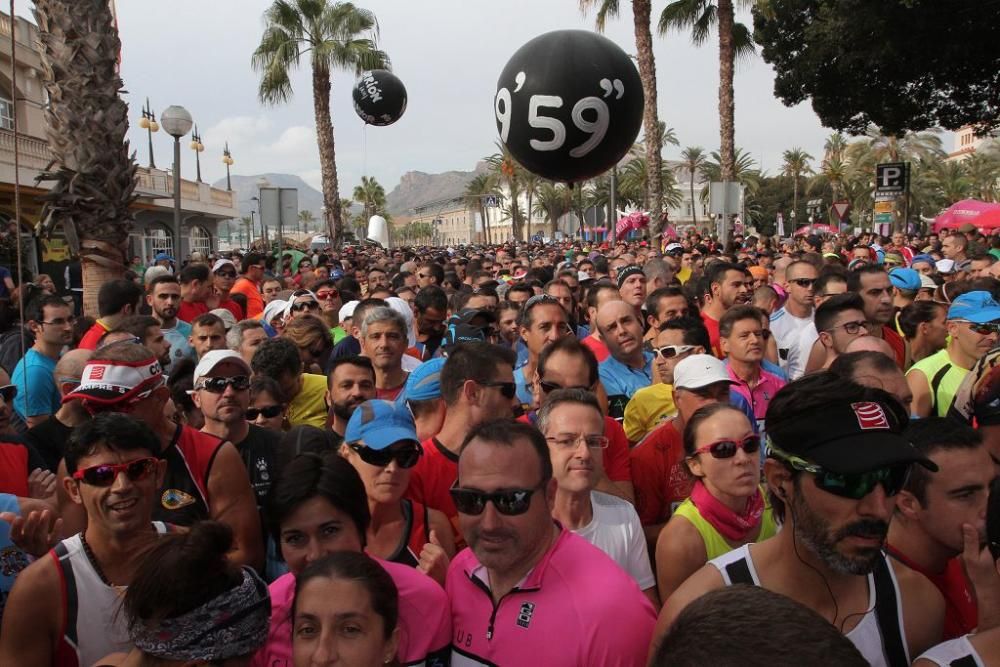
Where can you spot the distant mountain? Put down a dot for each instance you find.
(416, 188)
(310, 199)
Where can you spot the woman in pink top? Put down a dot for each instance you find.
(318, 507)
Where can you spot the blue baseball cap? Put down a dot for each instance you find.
(978, 307)
(922, 259)
(906, 279)
(380, 424)
(163, 256)
(424, 382)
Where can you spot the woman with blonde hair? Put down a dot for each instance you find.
(311, 335)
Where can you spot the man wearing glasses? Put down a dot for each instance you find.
(525, 580)
(573, 425)
(113, 478)
(51, 321)
(788, 321)
(836, 460)
(223, 279)
(839, 321)
(222, 393)
(973, 323)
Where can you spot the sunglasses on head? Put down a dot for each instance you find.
(510, 502)
(671, 351)
(218, 385)
(726, 449)
(269, 412)
(508, 389)
(304, 305)
(8, 392)
(405, 457)
(105, 474)
(849, 485)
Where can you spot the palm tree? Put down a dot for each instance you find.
(476, 191)
(746, 172)
(795, 164)
(693, 158)
(305, 219)
(735, 41)
(371, 195)
(983, 168)
(641, 15)
(631, 185)
(951, 182)
(553, 201)
(335, 35)
(92, 172)
(507, 171)
(530, 182)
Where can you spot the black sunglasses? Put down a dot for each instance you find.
(8, 392)
(218, 385)
(508, 389)
(269, 412)
(548, 387)
(726, 449)
(803, 282)
(405, 457)
(304, 305)
(510, 502)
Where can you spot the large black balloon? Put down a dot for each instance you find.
(558, 94)
(379, 97)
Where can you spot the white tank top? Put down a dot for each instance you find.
(94, 626)
(866, 635)
(958, 652)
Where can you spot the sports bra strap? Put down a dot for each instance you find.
(936, 384)
(965, 661)
(888, 616)
(739, 572)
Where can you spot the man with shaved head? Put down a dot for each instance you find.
(628, 367)
(870, 344)
(50, 436)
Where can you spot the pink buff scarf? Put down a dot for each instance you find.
(732, 526)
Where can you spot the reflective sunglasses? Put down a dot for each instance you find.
(269, 412)
(327, 294)
(985, 329)
(508, 389)
(510, 502)
(405, 457)
(549, 387)
(218, 385)
(854, 485)
(726, 449)
(671, 351)
(305, 305)
(106, 473)
(8, 392)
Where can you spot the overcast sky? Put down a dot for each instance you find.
(448, 53)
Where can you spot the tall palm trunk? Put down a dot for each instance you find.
(727, 56)
(650, 118)
(694, 204)
(327, 153)
(795, 194)
(527, 227)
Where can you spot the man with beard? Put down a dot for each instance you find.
(728, 285)
(147, 330)
(164, 297)
(874, 286)
(926, 531)
(628, 368)
(431, 311)
(539, 578)
(836, 462)
(350, 382)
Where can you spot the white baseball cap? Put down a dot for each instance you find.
(926, 282)
(347, 310)
(213, 358)
(945, 265)
(227, 317)
(219, 263)
(699, 371)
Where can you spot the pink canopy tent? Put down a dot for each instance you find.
(967, 210)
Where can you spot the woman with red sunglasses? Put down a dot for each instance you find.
(726, 509)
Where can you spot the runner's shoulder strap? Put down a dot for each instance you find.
(888, 616)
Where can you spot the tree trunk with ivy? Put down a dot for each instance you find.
(93, 173)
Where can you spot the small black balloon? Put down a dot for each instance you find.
(569, 105)
(379, 97)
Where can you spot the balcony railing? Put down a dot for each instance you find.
(33, 153)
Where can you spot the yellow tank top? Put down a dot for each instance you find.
(715, 544)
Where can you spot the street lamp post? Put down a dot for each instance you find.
(197, 147)
(227, 159)
(148, 122)
(177, 122)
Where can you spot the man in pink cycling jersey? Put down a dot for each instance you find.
(527, 591)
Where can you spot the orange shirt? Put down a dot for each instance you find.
(432, 477)
(249, 289)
